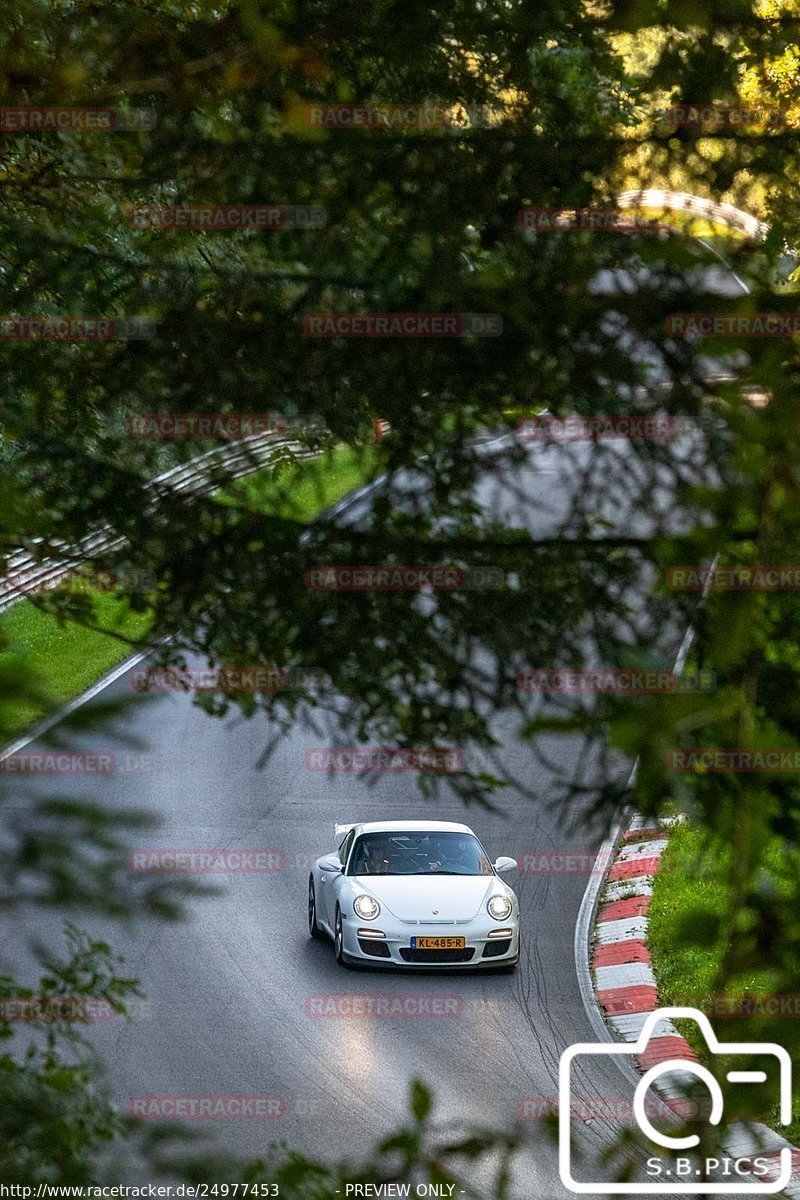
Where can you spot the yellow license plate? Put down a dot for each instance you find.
(438, 943)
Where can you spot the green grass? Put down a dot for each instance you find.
(687, 940)
(688, 902)
(300, 491)
(66, 658)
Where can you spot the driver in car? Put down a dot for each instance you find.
(373, 860)
(453, 854)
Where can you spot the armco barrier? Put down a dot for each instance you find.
(202, 474)
(699, 206)
(25, 573)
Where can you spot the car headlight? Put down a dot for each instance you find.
(499, 907)
(366, 908)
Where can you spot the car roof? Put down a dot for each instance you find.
(411, 826)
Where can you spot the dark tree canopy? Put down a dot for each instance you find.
(540, 106)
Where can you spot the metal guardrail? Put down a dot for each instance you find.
(724, 214)
(25, 574)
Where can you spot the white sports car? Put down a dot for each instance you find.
(420, 893)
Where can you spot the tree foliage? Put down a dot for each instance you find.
(548, 105)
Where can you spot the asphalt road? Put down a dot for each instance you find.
(228, 989)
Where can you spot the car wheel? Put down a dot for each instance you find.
(314, 930)
(338, 938)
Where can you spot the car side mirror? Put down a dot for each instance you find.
(504, 863)
(331, 867)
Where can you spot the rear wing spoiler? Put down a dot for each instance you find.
(341, 830)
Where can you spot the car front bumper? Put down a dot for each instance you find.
(394, 949)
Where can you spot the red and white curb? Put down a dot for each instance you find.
(626, 991)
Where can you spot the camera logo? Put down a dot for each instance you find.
(673, 1172)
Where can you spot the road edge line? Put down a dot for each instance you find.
(45, 724)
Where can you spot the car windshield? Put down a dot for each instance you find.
(424, 853)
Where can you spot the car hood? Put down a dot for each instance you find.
(414, 897)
